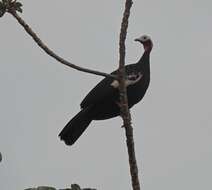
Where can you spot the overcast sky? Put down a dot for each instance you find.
(172, 125)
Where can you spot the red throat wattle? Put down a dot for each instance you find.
(148, 46)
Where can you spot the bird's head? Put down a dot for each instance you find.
(146, 41)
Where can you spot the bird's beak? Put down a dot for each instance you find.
(137, 40)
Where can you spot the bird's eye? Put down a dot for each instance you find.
(144, 37)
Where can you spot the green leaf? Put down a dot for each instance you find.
(75, 187)
(1, 6)
(19, 9)
(45, 188)
(4, 2)
(2, 10)
(18, 4)
(42, 188)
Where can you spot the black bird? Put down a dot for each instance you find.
(102, 102)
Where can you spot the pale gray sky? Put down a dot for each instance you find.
(172, 126)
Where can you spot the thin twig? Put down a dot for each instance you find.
(50, 52)
(123, 95)
(125, 113)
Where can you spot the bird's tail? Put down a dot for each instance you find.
(76, 126)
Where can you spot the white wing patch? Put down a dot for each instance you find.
(131, 79)
(115, 84)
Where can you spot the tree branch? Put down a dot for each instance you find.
(11, 7)
(43, 46)
(125, 113)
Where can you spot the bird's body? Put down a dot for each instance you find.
(102, 102)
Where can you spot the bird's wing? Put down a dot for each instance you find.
(103, 90)
(108, 88)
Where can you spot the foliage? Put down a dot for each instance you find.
(73, 187)
(8, 5)
(12, 7)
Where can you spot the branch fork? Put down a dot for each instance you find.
(13, 6)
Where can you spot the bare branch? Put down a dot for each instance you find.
(125, 113)
(12, 6)
(50, 52)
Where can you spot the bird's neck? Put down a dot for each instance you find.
(143, 63)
